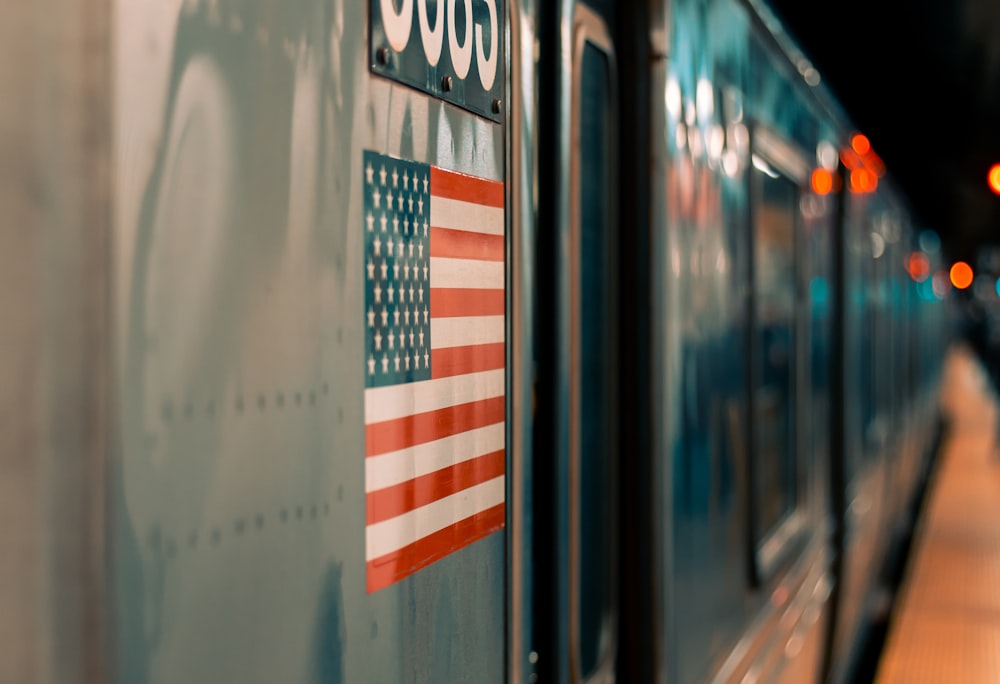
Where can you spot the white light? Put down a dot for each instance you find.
(673, 98)
(940, 284)
(730, 163)
(716, 141)
(706, 100)
(696, 142)
(878, 245)
(739, 138)
(721, 262)
(763, 166)
(680, 136)
(826, 155)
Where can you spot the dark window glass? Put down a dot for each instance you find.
(775, 471)
(597, 403)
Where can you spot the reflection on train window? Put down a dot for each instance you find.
(597, 403)
(775, 470)
(879, 353)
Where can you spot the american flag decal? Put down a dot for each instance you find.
(434, 364)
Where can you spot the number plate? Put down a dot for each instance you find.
(452, 49)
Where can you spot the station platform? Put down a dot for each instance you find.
(945, 625)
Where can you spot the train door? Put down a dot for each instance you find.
(575, 495)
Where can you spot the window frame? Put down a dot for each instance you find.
(589, 29)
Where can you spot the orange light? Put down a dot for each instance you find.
(961, 275)
(875, 163)
(858, 179)
(860, 144)
(995, 178)
(850, 159)
(919, 266)
(863, 180)
(822, 181)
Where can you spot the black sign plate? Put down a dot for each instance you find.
(452, 49)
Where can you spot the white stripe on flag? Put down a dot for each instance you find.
(393, 534)
(400, 466)
(459, 215)
(466, 273)
(466, 331)
(399, 401)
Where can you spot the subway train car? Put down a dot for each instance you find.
(460, 341)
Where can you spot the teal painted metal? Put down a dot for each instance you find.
(238, 492)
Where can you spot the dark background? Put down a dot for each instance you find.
(922, 80)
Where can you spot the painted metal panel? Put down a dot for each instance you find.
(238, 500)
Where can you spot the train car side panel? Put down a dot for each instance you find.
(257, 156)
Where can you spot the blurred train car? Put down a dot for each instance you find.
(494, 340)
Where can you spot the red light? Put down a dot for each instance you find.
(861, 144)
(994, 178)
(961, 275)
(850, 159)
(919, 266)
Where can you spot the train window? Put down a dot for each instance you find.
(595, 357)
(774, 347)
(774, 327)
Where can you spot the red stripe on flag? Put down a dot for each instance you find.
(448, 361)
(392, 435)
(392, 567)
(406, 496)
(459, 186)
(452, 302)
(462, 244)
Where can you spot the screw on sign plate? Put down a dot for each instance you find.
(458, 58)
